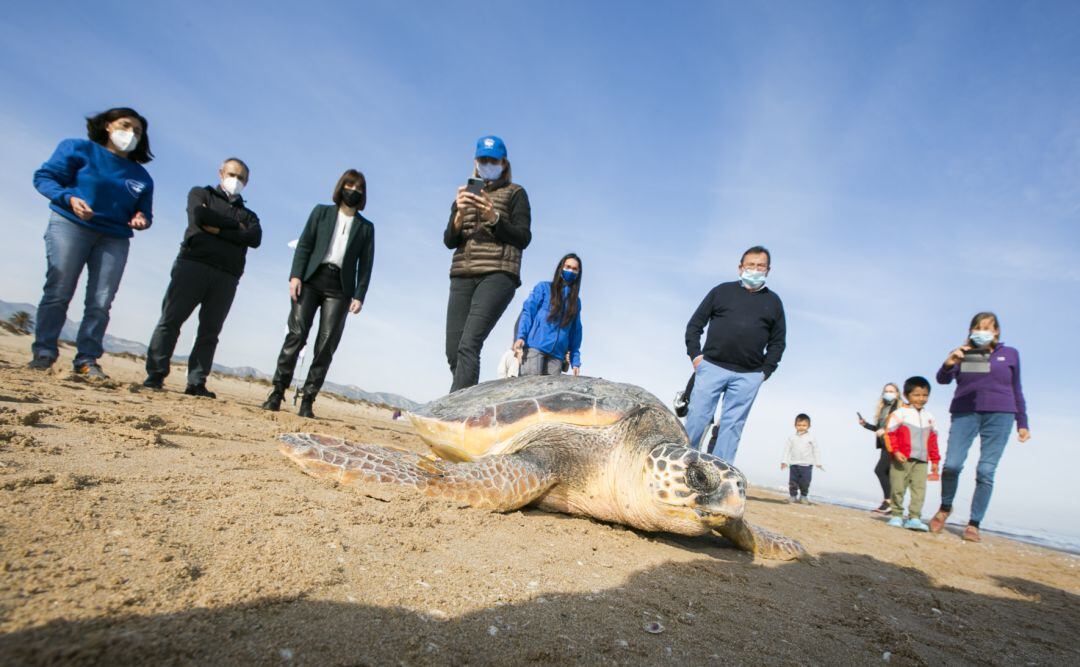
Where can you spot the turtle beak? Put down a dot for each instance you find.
(729, 501)
(721, 490)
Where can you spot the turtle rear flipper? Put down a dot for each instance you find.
(760, 542)
(501, 483)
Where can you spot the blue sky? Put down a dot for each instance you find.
(908, 164)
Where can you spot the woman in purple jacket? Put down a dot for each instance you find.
(987, 402)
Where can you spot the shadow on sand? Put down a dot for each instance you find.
(737, 612)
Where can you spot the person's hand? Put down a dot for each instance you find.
(956, 356)
(294, 289)
(459, 202)
(697, 361)
(880, 433)
(355, 305)
(900, 457)
(211, 230)
(783, 466)
(81, 208)
(139, 221)
(577, 371)
(1023, 434)
(481, 203)
(519, 348)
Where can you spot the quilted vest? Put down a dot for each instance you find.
(480, 252)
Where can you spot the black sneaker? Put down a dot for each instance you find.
(91, 371)
(884, 508)
(199, 390)
(41, 363)
(681, 404)
(154, 382)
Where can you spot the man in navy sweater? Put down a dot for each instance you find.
(742, 349)
(205, 275)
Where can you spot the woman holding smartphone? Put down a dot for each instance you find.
(330, 274)
(100, 195)
(549, 329)
(489, 227)
(988, 401)
(886, 405)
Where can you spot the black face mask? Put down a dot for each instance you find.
(351, 198)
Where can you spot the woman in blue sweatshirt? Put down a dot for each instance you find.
(550, 323)
(98, 193)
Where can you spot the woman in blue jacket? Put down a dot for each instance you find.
(550, 324)
(99, 194)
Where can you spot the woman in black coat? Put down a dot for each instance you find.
(331, 270)
(887, 404)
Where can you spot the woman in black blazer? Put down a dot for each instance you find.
(331, 270)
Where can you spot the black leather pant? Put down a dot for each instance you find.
(323, 293)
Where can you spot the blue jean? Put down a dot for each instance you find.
(739, 390)
(993, 429)
(68, 248)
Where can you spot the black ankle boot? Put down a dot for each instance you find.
(305, 406)
(273, 401)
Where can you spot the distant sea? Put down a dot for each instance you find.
(1042, 538)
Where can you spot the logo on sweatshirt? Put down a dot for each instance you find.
(135, 188)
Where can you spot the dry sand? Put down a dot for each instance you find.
(153, 528)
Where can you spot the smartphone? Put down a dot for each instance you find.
(859, 415)
(474, 186)
(975, 361)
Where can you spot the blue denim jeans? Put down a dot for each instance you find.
(68, 248)
(993, 429)
(739, 390)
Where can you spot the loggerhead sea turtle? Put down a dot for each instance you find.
(576, 445)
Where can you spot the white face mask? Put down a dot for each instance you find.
(123, 140)
(888, 397)
(752, 279)
(232, 185)
(489, 172)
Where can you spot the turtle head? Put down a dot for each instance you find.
(692, 487)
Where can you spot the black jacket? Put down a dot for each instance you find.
(315, 241)
(239, 230)
(747, 330)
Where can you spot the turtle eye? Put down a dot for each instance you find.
(702, 477)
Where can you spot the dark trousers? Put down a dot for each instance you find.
(882, 472)
(193, 284)
(322, 292)
(475, 305)
(799, 480)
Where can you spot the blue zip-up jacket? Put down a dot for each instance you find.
(549, 337)
(115, 188)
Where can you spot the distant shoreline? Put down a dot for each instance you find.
(1062, 543)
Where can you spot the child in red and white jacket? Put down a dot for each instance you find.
(911, 438)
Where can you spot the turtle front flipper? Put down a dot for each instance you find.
(500, 483)
(760, 542)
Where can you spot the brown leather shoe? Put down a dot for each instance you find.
(937, 524)
(971, 534)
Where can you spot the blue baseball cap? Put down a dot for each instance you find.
(490, 146)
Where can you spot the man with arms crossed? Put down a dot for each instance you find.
(205, 275)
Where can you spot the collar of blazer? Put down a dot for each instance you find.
(329, 221)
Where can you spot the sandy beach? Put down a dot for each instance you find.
(143, 527)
